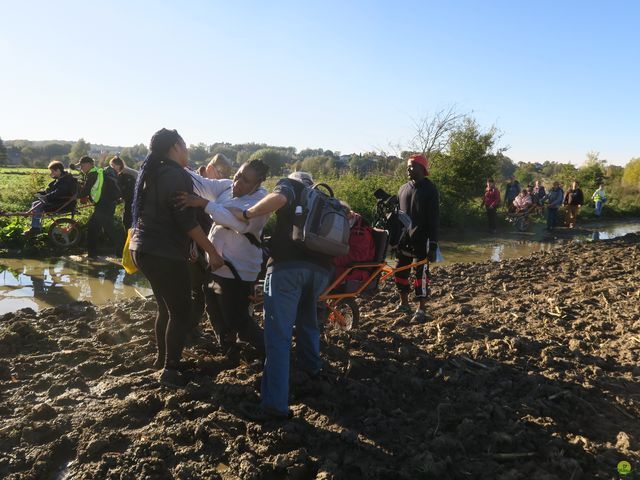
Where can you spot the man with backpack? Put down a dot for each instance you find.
(100, 185)
(420, 200)
(296, 276)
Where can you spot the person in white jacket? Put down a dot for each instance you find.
(239, 245)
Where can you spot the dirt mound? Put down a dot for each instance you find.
(526, 369)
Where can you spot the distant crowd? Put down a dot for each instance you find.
(524, 201)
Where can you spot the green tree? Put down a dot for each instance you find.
(526, 173)
(79, 150)
(316, 165)
(361, 164)
(3, 153)
(505, 166)
(134, 155)
(275, 158)
(198, 153)
(56, 149)
(461, 171)
(226, 149)
(631, 175)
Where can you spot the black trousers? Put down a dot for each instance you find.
(422, 275)
(169, 279)
(491, 217)
(102, 220)
(230, 315)
(198, 274)
(127, 215)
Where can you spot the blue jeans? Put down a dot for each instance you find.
(37, 208)
(552, 218)
(598, 210)
(291, 292)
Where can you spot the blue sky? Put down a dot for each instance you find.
(558, 78)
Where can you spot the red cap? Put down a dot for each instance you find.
(420, 159)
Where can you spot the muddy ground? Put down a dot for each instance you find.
(527, 369)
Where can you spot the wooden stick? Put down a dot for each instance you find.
(473, 362)
(562, 393)
(625, 413)
(513, 456)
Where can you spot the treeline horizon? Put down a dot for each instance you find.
(461, 152)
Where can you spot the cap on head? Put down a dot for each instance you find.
(419, 159)
(302, 177)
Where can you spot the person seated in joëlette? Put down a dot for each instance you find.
(523, 201)
(59, 194)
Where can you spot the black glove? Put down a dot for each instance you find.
(431, 254)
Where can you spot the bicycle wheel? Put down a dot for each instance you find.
(522, 224)
(65, 233)
(345, 314)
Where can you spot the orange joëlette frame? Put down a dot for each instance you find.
(333, 299)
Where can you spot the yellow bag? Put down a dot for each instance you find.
(127, 260)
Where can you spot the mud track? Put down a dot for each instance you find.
(526, 369)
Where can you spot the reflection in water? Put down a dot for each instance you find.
(47, 282)
(513, 245)
(44, 283)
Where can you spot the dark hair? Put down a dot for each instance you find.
(56, 165)
(259, 167)
(161, 142)
(87, 159)
(118, 161)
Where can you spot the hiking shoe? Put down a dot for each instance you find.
(33, 231)
(419, 316)
(258, 413)
(403, 309)
(172, 378)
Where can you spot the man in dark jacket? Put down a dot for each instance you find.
(126, 183)
(573, 200)
(59, 195)
(101, 187)
(420, 200)
(511, 191)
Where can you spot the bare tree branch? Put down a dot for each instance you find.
(433, 132)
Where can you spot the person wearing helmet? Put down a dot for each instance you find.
(419, 198)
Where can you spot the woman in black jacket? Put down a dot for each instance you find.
(161, 245)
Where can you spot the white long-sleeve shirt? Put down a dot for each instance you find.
(227, 232)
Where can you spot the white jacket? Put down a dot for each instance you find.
(227, 232)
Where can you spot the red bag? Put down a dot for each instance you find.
(362, 248)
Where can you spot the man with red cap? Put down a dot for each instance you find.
(420, 200)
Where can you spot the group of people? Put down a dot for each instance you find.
(519, 200)
(103, 187)
(168, 238)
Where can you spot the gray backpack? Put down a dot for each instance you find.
(321, 222)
